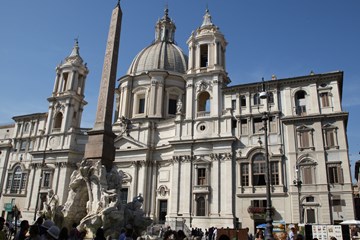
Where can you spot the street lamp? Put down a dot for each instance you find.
(41, 174)
(297, 182)
(269, 226)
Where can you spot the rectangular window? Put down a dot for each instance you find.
(233, 104)
(31, 145)
(23, 145)
(325, 99)
(304, 139)
(275, 180)
(18, 129)
(307, 177)
(243, 101)
(244, 126)
(204, 55)
(256, 99)
(330, 138)
(244, 174)
(201, 176)
(258, 124)
(258, 203)
(273, 128)
(141, 105)
(47, 180)
(334, 173)
(172, 106)
(259, 173)
(310, 213)
(233, 123)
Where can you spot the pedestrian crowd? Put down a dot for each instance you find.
(40, 230)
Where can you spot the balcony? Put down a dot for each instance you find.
(301, 110)
(201, 189)
(203, 114)
(258, 212)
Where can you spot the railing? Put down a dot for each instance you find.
(301, 110)
(201, 189)
(203, 114)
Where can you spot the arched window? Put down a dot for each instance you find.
(300, 102)
(17, 180)
(58, 120)
(203, 104)
(200, 206)
(307, 171)
(259, 169)
(204, 55)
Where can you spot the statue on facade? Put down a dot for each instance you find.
(178, 106)
(125, 124)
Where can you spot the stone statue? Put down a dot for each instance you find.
(95, 197)
(178, 106)
(125, 124)
(50, 205)
(134, 216)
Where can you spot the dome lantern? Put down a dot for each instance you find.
(165, 28)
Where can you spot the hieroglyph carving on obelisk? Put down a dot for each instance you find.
(101, 137)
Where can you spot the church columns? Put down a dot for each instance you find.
(156, 94)
(226, 192)
(190, 101)
(175, 195)
(152, 105)
(66, 118)
(160, 93)
(56, 85)
(154, 170)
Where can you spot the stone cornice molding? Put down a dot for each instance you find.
(37, 165)
(221, 156)
(182, 158)
(65, 165)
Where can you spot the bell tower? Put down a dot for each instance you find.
(67, 100)
(206, 74)
(207, 47)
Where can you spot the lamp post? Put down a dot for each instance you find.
(297, 182)
(269, 226)
(41, 175)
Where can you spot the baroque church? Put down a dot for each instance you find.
(196, 148)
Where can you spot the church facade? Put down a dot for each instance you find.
(190, 143)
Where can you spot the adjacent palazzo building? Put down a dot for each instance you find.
(191, 143)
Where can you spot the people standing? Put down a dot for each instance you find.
(2, 233)
(292, 235)
(24, 227)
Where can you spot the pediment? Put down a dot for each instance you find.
(201, 161)
(329, 126)
(126, 143)
(303, 128)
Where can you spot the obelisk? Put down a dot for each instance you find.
(100, 144)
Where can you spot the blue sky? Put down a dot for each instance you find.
(282, 37)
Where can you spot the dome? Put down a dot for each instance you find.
(163, 54)
(160, 55)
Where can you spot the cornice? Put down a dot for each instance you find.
(316, 117)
